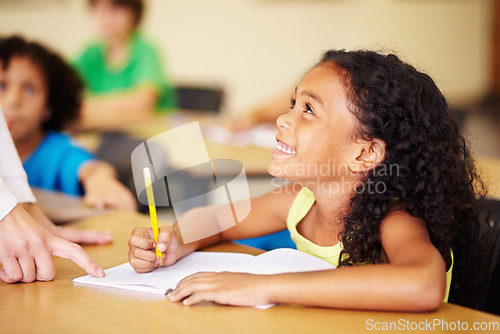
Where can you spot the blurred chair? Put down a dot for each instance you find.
(199, 97)
(492, 304)
(483, 292)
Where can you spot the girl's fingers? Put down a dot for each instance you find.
(163, 240)
(141, 266)
(142, 238)
(198, 297)
(195, 277)
(143, 254)
(190, 285)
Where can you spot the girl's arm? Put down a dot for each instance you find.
(413, 280)
(114, 110)
(267, 215)
(102, 188)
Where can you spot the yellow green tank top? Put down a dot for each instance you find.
(299, 209)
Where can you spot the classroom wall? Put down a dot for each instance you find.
(257, 48)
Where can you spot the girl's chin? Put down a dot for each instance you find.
(275, 171)
(278, 171)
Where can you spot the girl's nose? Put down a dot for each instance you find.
(11, 99)
(285, 121)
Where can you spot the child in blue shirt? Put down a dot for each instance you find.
(41, 95)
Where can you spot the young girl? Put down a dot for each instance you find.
(381, 185)
(40, 95)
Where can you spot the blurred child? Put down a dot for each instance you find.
(121, 70)
(40, 95)
(382, 185)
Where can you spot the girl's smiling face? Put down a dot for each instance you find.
(317, 137)
(23, 97)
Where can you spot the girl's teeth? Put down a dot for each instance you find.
(283, 148)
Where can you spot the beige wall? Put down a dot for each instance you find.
(257, 48)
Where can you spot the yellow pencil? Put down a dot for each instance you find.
(152, 212)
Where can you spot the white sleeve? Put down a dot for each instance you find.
(12, 174)
(7, 200)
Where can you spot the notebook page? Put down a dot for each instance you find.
(281, 260)
(159, 281)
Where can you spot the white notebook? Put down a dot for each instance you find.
(160, 281)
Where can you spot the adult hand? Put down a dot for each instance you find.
(26, 249)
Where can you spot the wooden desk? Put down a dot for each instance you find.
(61, 307)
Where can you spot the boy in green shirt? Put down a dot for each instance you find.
(122, 71)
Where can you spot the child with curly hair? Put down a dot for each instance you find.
(40, 95)
(381, 184)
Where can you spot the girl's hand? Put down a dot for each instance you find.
(142, 253)
(223, 288)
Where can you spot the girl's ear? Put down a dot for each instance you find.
(372, 154)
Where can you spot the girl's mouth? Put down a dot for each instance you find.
(282, 147)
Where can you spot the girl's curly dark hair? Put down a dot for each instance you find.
(435, 177)
(65, 89)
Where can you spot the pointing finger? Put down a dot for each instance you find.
(75, 253)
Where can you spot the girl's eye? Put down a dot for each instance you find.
(3, 85)
(29, 90)
(308, 109)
